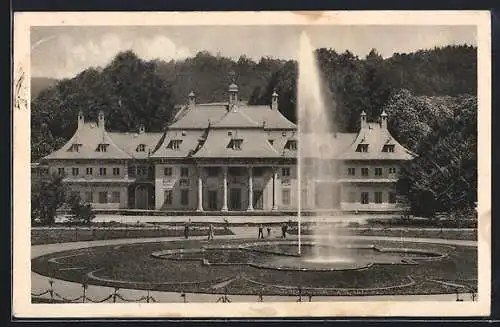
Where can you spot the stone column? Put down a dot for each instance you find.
(200, 190)
(275, 188)
(250, 189)
(224, 184)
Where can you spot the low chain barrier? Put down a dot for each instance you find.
(148, 298)
(57, 297)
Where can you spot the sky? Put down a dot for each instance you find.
(64, 51)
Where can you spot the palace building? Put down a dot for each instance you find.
(227, 157)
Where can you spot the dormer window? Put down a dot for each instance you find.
(362, 147)
(291, 145)
(102, 147)
(75, 147)
(174, 144)
(271, 141)
(141, 148)
(235, 144)
(229, 133)
(388, 148)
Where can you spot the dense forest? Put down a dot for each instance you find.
(430, 96)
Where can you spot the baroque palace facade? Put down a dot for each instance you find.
(226, 157)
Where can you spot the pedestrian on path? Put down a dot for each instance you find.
(210, 232)
(186, 230)
(283, 231)
(268, 231)
(261, 232)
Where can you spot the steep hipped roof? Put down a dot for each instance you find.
(330, 145)
(130, 142)
(248, 116)
(189, 141)
(199, 117)
(254, 145)
(375, 136)
(89, 136)
(235, 118)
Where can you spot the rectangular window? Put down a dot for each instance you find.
(174, 144)
(102, 148)
(167, 171)
(169, 197)
(235, 144)
(184, 172)
(131, 170)
(285, 197)
(303, 197)
(364, 171)
(75, 171)
(285, 172)
(351, 171)
(212, 200)
(89, 197)
(392, 197)
(236, 171)
(89, 171)
(392, 170)
(351, 197)
(75, 148)
(115, 197)
(212, 171)
(388, 148)
(378, 197)
(116, 171)
(364, 198)
(184, 197)
(378, 171)
(102, 171)
(258, 171)
(291, 145)
(103, 197)
(362, 148)
(258, 202)
(60, 171)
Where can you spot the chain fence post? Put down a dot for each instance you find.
(84, 286)
(51, 290)
(300, 295)
(115, 294)
(183, 295)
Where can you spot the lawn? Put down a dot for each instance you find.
(132, 266)
(78, 234)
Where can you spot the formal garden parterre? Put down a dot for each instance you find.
(232, 271)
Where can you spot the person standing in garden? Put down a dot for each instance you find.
(186, 230)
(261, 232)
(210, 232)
(268, 231)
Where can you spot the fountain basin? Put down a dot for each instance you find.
(282, 255)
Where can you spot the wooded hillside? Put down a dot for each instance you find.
(430, 96)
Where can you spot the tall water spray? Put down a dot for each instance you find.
(316, 152)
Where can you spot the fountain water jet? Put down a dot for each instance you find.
(317, 169)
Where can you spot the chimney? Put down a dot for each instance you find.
(142, 129)
(192, 100)
(383, 120)
(233, 95)
(274, 101)
(364, 123)
(81, 119)
(100, 120)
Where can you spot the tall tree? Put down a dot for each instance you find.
(47, 195)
